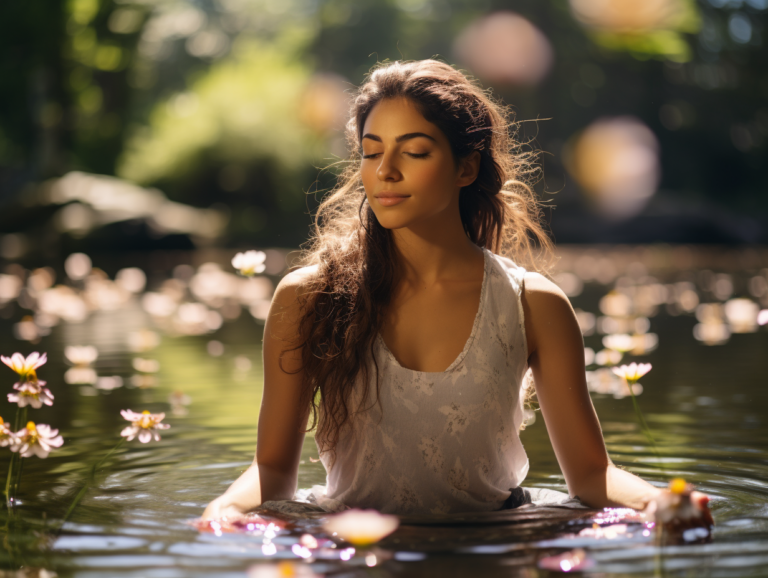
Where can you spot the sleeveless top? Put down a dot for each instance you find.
(441, 442)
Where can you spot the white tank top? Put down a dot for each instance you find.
(442, 442)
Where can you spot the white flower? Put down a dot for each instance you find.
(146, 365)
(143, 380)
(632, 372)
(604, 381)
(249, 263)
(109, 382)
(143, 424)
(620, 342)
(282, 569)
(572, 560)
(32, 393)
(81, 355)
(7, 437)
(608, 357)
(81, 375)
(36, 440)
(178, 397)
(25, 367)
(143, 340)
(361, 527)
(178, 400)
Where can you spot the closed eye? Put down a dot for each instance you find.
(413, 155)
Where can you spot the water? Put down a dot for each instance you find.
(705, 405)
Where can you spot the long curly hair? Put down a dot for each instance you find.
(344, 299)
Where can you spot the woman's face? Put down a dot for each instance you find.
(408, 169)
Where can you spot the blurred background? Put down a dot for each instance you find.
(136, 126)
(144, 142)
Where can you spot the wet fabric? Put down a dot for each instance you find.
(304, 504)
(442, 442)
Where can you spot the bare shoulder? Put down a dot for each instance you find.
(286, 310)
(292, 286)
(547, 310)
(540, 291)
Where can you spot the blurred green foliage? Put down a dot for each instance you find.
(205, 99)
(243, 108)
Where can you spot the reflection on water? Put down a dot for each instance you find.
(190, 346)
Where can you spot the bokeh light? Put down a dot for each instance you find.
(324, 105)
(627, 15)
(616, 162)
(504, 48)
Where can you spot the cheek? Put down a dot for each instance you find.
(368, 175)
(434, 180)
(436, 174)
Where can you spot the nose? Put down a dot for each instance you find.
(388, 171)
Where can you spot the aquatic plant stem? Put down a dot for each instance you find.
(21, 415)
(8, 481)
(88, 482)
(644, 425)
(15, 489)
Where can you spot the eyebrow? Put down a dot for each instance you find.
(401, 138)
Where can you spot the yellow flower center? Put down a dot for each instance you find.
(145, 421)
(31, 433)
(1, 421)
(677, 486)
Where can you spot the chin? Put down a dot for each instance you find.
(392, 220)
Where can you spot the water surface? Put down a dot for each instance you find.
(705, 405)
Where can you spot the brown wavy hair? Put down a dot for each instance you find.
(346, 297)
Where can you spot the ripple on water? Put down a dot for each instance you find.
(703, 404)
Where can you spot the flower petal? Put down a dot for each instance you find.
(145, 436)
(31, 359)
(130, 415)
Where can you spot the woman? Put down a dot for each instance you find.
(407, 336)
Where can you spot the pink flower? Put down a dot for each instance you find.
(32, 393)
(36, 440)
(143, 424)
(7, 437)
(25, 367)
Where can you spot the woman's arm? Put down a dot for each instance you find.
(556, 357)
(282, 420)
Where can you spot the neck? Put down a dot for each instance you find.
(433, 250)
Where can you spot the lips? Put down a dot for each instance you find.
(387, 199)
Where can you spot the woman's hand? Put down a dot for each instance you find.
(222, 509)
(680, 508)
